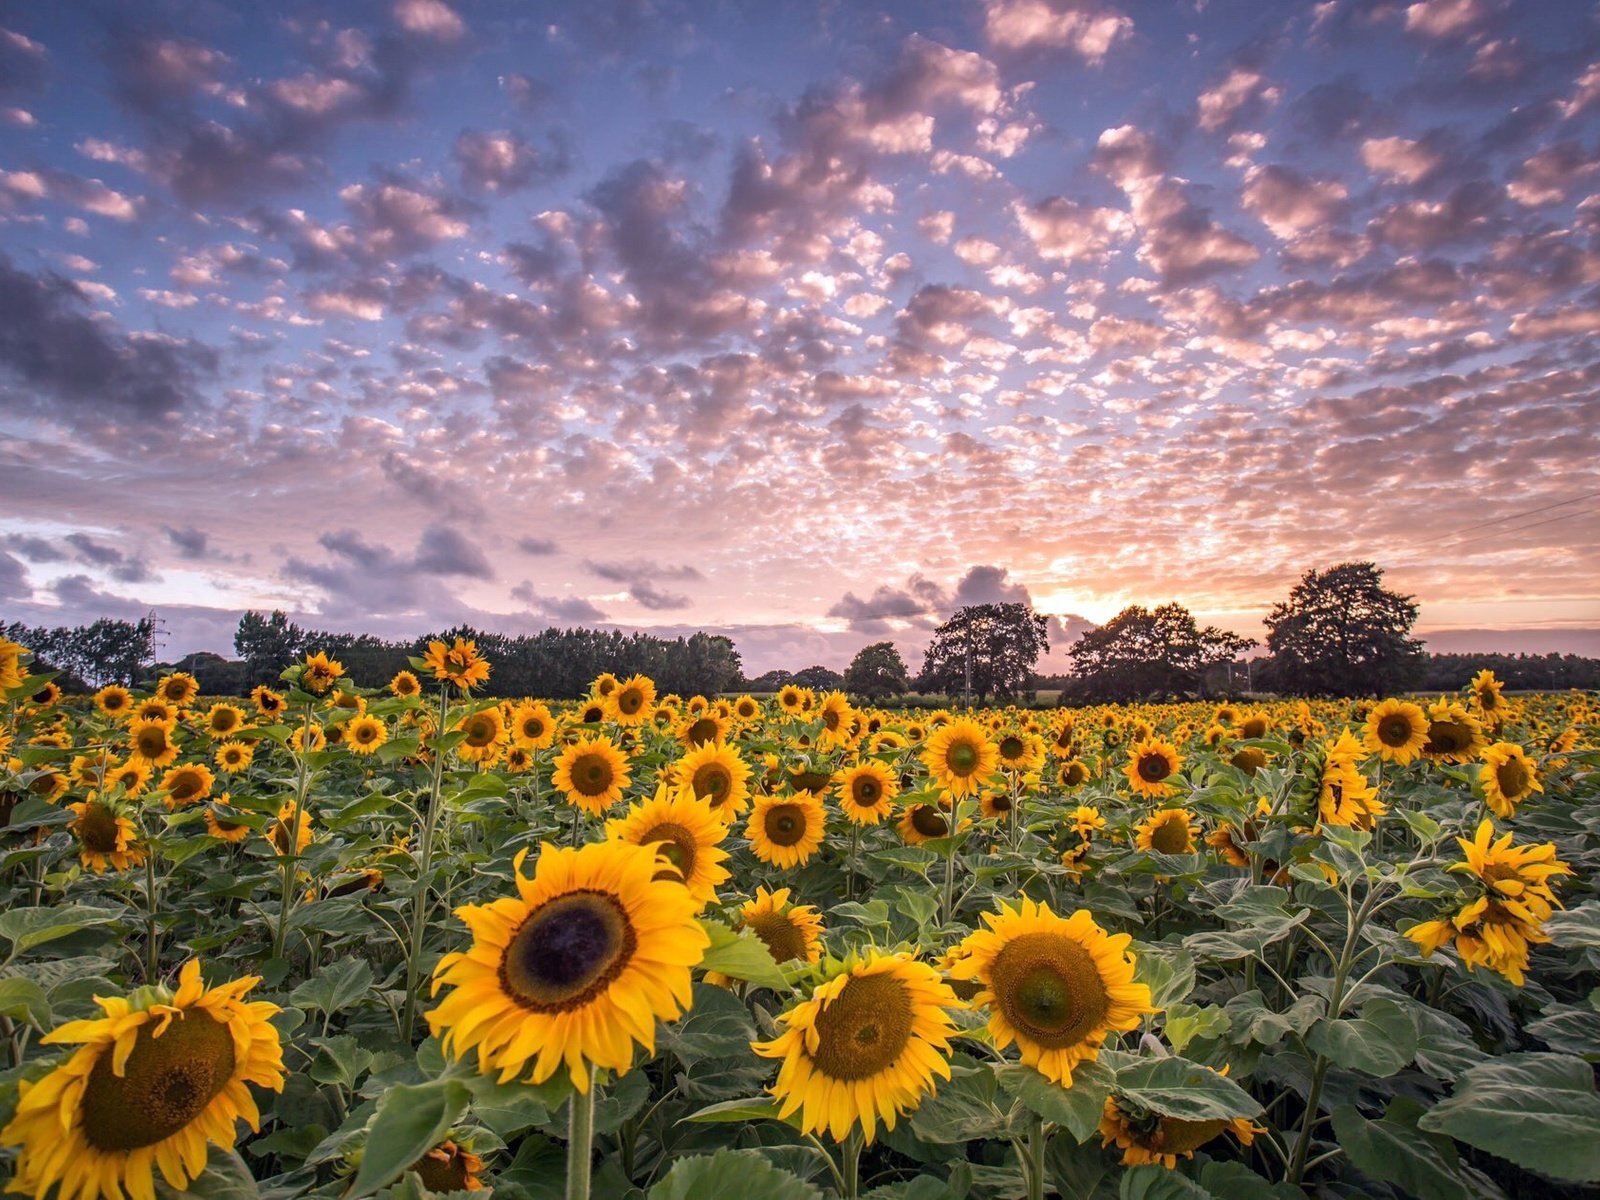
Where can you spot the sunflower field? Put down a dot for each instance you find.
(341, 942)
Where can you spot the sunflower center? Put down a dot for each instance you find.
(185, 787)
(1180, 1137)
(1171, 836)
(1011, 747)
(863, 1029)
(567, 951)
(480, 732)
(809, 781)
(783, 939)
(929, 822)
(166, 1083)
(630, 701)
(1253, 728)
(1447, 737)
(1249, 760)
(866, 791)
(533, 729)
(1049, 989)
(443, 1171)
(702, 731)
(1395, 732)
(1000, 803)
(366, 733)
(712, 780)
(1512, 776)
(152, 743)
(97, 829)
(675, 844)
(962, 758)
(1153, 768)
(1074, 775)
(785, 824)
(591, 775)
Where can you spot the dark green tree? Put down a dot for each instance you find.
(267, 645)
(1342, 633)
(822, 679)
(985, 650)
(1143, 653)
(877, 672)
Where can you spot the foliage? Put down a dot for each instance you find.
(105, 651)
(877, 672)
(1341, 633)
(1149, 654)
(985, 649)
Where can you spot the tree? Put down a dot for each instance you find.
(1342, 633)
(267, 645)
(106, 651)
(1142, 653)
(876, 672)
(818, 678)
(985, 649)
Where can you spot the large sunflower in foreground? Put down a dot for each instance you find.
(592, 773)
(684, 831)
(1396, 730)
(574, 969)
(153, 1080)
(1151, 763)
(1054, 985)
(960, 756)
(866, 1046)
(785, 831)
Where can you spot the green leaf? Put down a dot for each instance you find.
(1238, 1182)
(1152, 1181)
(741, 956)
(336, 988)
(1395, 1151)
(1577, 928)
(26, 928)
(1539, 1111)
(1167, 969)
(25, 999)
(1077, 1109)
(1570, 1029)
(757, 1108)
(962, 1109)
(1185, 1022)
(410, 1121)
(730, 1173)
(1380, 1042)
(718, 1025)
(1176, 1087)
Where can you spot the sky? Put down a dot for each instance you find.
(805, 323)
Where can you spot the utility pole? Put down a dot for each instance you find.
(966, 687)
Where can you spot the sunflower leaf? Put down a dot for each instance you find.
(731, 1173)
(1077, 1109)
(1176, 1087)
(410, 1121)
(26, 928)
(741, 956)
(1395, 1151)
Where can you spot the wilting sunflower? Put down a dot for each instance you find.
(790, 932)
(1454, 734)
(234, 757)
(113, 701)
(151, 743)
(1508, 778)
(1396, 731)
(364, 734)
(532, 727)
(1516, 876)
(718, 776)
(785, 831)
(319, 673)
(1346, 798)
(865, 1047)
(866, 792)
(484, 732)
(449, 1168)
(1151, 762)
(268, 702)
(1168, 831)
(187, 784)
(575, 969)
(684, 831)
(153, 1080)
(960, 756)
(277, 832)
(1145, 1136)
(405, 685)
(105, 837)
(1054, 985)
(592, 773)
(222, 826)
(179, 688)
(223, 720)
(632, 701)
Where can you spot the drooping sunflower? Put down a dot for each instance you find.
(632, 701)
(1145, 1136)
(718, 775)
(113, 701)
(1508, 777)
(221, 825)
(866, 792)
(921, 823)
(684, 831)
(866, 1047)
(1248, 759)
(105, 836)
(1151, 763)
(592, 773)
(1454, 734)
(153, 1080)
(532, 726)
(1396, 731)
(1168, 831)
(449, 1167)
(268, 702)
(186, 785)
(484, 733)
(404, 685)
(151, 743)
(1054, 985)
(960, 756)
(785, 831)
(180, 688)
(319, 673)
(574, 969)
(1516, 876)
(277, 831)
(364, 734)
(790, 932)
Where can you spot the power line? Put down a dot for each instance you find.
(1535, 525)
(1532, 512)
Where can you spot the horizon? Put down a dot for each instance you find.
(797, 324)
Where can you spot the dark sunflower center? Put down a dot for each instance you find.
(1447, 737)
(1512, 776)
(533, 728)
(1000, 803)
(962, 758)
(185, 787)
(166, 1083)
(1394, 732)
(830, 719)
(443, 1171)
(630, 701)
(863, 1029)
(702, 731)
(366, 733)
(97, 829)
(1487, 698)
(1171, 836)
(1049, 989)
(783, 939)
(712, 780)
(1253, 728)
(1011, 747)
(480, 732)
(675, 844)
(592, 775)
(1153, 768)
(808, 781)
(152, 743)
(1074, 775)
(866, 791)
(222, 722)
(1179, 1137)
(929, 822)
(567, 952)
(1249, 760)
(785, 824)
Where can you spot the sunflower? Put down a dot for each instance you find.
(1020, 751)
(180, 689)
(1167, 831)
(791, 699)
(45, 696)
(1087, 821)
(449, 1168)
(1346, 798)
(483, 734)
(835, 713)
(1516, 876)
(1254, 724)
(153, 708)
(746, 708)
(960, 756)
(364, 734)
(1485, 689)
(790, 932)
(104, 836)
(11, 665)
(233, 757)
(592, 772)
(152, 1081)
(113, 701)
(1225, 839)
(1145, 1136)
(1454, 734)
(604, 684)
(994, 806)
(867, 1045)
(223, 721)
(151, 743)
(307, 739)
(319, 673)
(277, 832)
(268, 702)
(518, 761)
(187, 784)
(405, 685)
(1054, 985)
(866, 792)
(684, 831)
(575, 969)
(532, 727)
(1248, 759)
(921, 823)
(1396, 731)
(785, 831)
(592, 713)
(718, 776)
(220, 826)
(701, 729)
(1073, 773)
(130, 776)
(1507, 778)
(1151, 762)
(632, 701)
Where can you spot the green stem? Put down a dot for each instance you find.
(291, 856)
(580, 1141)
(152, 899)
(850, 1174)
(419, 901)
(1033, 1158)
(855, 846)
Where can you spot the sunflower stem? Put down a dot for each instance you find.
(152, 939)
(291, 856)
(855, 846)
(850, 1174)
(580, 1140)
(419, 902)
(1033, 1157)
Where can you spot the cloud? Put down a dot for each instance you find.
(429, 19)
(643, 578)
(14, 583)
(502, 162)
(1088, 30)
(364, 577)
(536, 546)
(573, 610)
(446, 551)
(119, 564)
